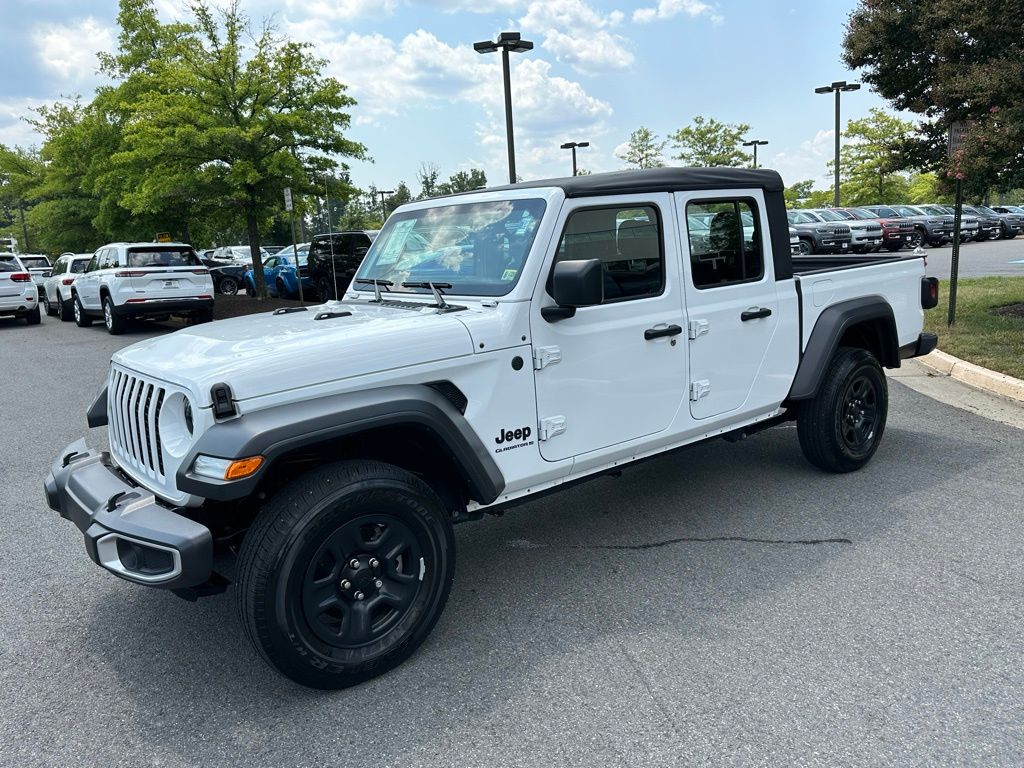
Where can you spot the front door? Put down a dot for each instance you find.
(616, 371)
(731, 297)
(87, 286)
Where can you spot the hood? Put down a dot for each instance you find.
(266, 353)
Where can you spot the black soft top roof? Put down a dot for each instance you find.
(657, 180)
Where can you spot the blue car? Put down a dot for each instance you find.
(279, 274)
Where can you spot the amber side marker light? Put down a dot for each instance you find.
(243, 467)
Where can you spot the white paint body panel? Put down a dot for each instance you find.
(623, 397)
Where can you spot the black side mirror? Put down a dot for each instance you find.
(574, 284)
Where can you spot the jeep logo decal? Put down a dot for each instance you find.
(513, 435)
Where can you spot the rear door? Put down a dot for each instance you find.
(731, 297)
(88, 285)
(167, 272)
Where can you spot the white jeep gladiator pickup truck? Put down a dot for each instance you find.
(493, 346)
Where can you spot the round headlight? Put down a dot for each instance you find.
(176, 424)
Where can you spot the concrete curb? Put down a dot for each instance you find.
(974, 375)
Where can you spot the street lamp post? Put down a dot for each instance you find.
(573, 145)
(755, 143)
(507, 42)
(382, 193)
(838, 87)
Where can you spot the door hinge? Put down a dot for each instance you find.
(698, 328)
(545, 356)
(699, 389)
(551, 426)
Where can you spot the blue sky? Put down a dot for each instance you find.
(600, 69)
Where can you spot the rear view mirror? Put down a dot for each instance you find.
(574, 284)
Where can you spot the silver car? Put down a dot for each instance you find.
(57, 287)
(18, 294)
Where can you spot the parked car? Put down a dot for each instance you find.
(928, 228)
(287, 274)
(38, 266)
(236, 254)
(865, 234)
(57, 287)
(574, 330)
(895, 232)
(228, 276)
(18, 293)
(143, 281)
(817, 235)
(1011, 220)
(990, 226)
(273, 250)
(968, 223)
(279, 275)
(334, 259)
(794, 242)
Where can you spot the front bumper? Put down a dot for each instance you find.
(128, 531)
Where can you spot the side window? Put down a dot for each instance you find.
(270, 263)
(626, 240)
(60, 267)
(362, 244)
(725, 242)
(105, 259)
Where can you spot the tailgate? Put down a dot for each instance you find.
(8, 287)
(171, 282)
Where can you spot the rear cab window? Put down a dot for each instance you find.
(163, 257)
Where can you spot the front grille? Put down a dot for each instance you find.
(134, 405)
(906, 226)
(841, 231)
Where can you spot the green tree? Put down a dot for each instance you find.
(21, 172)
(643, 149)
(463, 181)
(949, 62)
(708, 143)
(427, 178)
(795, 194)
(871, 159)
(235, 117)
(400, 196)
(927, 188)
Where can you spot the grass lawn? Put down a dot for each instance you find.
(983, 338)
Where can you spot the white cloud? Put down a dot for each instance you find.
(578, 34)
(342, 9)
(808, 162)
(666, 9)
(69, 51)
(14, 131)
(472, 6)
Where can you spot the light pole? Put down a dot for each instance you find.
(755, 143)
(838, 87)
(382, 193)
(507, 41)
(573, 145)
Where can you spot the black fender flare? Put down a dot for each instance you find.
(828, 331)
(274, 432)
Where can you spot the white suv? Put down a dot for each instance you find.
(57, 287)
(18, 294)
(142, 280)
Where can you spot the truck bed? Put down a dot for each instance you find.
(809, 265)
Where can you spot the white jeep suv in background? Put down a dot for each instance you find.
(18, 294)
(142, 280)
(56, 296)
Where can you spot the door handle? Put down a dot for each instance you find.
(755, 313)
(657, 333)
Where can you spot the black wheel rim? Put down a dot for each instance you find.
(228, 287)
(363, 580)
(805, 248)
(916, 239)
(858, 417)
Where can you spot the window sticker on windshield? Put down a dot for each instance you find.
(509, 274)
(396, 243)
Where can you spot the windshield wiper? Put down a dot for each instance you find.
(376, 286)
(435, 287)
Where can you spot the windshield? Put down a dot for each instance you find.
(860, 213)
(163, 257)
(35, 262)
(906, 210)
(828, 215)
(802, 217)
(477, 248)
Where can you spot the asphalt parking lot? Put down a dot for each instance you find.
(991, 257)
(729, 605)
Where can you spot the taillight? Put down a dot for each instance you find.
(21, 277)
(929, 292)
(67, 281)
(138, 273)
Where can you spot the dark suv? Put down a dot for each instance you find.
(334, 259)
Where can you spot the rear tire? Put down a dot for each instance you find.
(33, 317)
(114, 322)
(324, 289)
(82, 320)
(344, 573)
(228, 286)
(48, 307)
(202, 316)
(65, 309)
(841, 427)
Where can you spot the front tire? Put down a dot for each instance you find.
(841, 427)
(345, 572)
(114, 322)
(806, 247)
(82, 320)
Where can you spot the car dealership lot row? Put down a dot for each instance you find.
(652, 619)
